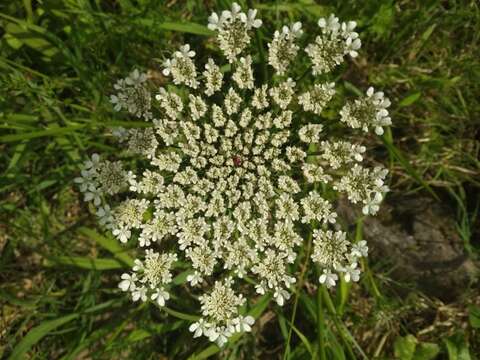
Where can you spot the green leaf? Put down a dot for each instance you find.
(12, 299)
(308, 303)
(30, 39)
(335, 347)
(307, 7)
(382, 21)
(410, 99)
(426, 351)
(283, 326)
(36, 334)
(181, 278)
(474, 316)
(109, 244)
(185, 27)
(457, 348)
(85, 263)
(404, 347)
(353, 88)
(138, 335)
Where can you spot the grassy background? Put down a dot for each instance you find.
(59, 274)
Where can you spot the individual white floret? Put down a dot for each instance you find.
(195, 279)
(199, 328)
(160, 296)
(105, 216)
(243, 323)
(251, 21)
(128, 282)
(359, 249)
(328, 278)
(351, 272)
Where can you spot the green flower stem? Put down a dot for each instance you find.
(320, 326)
(297, 294)
(180, 315)
(344, 289)
(341, 328)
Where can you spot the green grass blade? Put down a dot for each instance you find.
(397, 154)
(180, 315)
(41, 133)
(321, 326)
(185, 27)
(85, 263)
(36, 334)
(303, 338)
(109, 244)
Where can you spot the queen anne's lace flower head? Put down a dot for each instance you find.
(231, 169)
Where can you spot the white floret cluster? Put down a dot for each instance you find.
(336, 41)
(230, 172)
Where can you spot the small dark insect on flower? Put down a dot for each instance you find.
(237, 160)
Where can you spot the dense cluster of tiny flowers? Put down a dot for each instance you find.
(335, 42)
(231, 169)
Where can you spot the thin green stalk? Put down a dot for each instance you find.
(371, 282)
(320, 325)
(344, 288)
(342, 329)
(297, 295)
(180, 315)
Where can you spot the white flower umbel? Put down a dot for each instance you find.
(243, 76)
(364, 185)
(316, 99)
(213, 78)
(149, 277)
(283, 49)
(233, 30)
(182, 68)
(220, 313)
(230, 175)
(335, 42)
(371, 111)
(133, 95)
